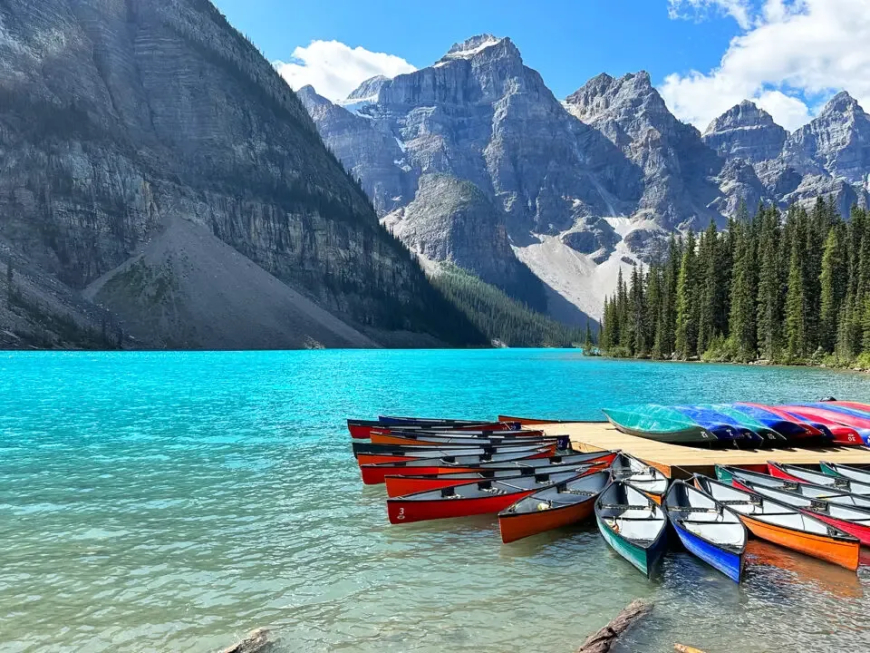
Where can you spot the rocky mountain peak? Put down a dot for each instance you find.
(369, 88)
(836, 142)
(840, 105)
(745, 114)
(603, 96)
(476, 46)
(747, 132)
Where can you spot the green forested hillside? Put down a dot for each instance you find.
(505, 319)
(790, 288)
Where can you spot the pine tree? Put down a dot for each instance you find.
(769, 304)
(833, 287)
(686, 344)
(587, 342)
(795, 306)
(639, 345)
(742, 313)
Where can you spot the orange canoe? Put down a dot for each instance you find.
(561, 505)
(784, 525)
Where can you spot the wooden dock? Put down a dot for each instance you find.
(679, 461)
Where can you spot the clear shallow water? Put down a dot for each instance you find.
(174, 501)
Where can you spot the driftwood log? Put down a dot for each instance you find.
(682, 648)
(256, 641)
(601, 641)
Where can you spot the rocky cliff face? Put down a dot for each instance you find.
(118, 118)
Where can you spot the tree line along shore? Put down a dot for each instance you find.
(788, 287)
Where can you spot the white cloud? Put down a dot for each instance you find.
(739, 10)
(335, 69)
(792, 53)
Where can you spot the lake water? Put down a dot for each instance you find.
(174, 501)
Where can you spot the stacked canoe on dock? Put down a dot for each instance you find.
(741, 424)
(534, 482)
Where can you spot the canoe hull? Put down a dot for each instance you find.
(515, 527)
(375, 475)
(645, 560)
(842, 553)
(402, 511)
(398, 486)
(730, 564)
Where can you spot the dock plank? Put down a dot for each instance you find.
(680, 461)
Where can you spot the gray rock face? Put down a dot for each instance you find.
(836, 142)
(592, 236)
(157, 110)
(685, 183)
(451, 220)
(746, 132)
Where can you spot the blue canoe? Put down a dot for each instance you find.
(712, 419)
(708, 529)
(791, 429)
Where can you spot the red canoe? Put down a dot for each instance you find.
(426, 452)
(485, 497)
(801, 475)
(810, 431)
(398, 486)
(373, 474)
(842, 426)
(362, 428)
(850, 519)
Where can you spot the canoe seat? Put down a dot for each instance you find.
(691, 509)
(624, 506)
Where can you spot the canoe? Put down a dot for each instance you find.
(362, 428)
(400, 485)
(839, 425)
(643, 477)
(428, 452)
(785, 525)
(707, 529)
(808, 490)
(849, 519)
(525, 421)
(480, 498)
(852, 473)
(771, 436)
(394, 420)
(633, 525)
(782, 423)
(444, 439)
(855, 405)
(374, 474)
(364, 447)
(801, 475)
(711, 418)
(557, 506)
(664, 424)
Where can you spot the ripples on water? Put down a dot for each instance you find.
(174, 501)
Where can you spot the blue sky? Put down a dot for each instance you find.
(704, 55)
(567, 41)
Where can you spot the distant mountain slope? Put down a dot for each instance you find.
(149, 135)
(585, 187)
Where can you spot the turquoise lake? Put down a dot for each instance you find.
(174, 501)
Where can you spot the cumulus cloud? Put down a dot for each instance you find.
(790, 57)
(739, 10)
(335, 69)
